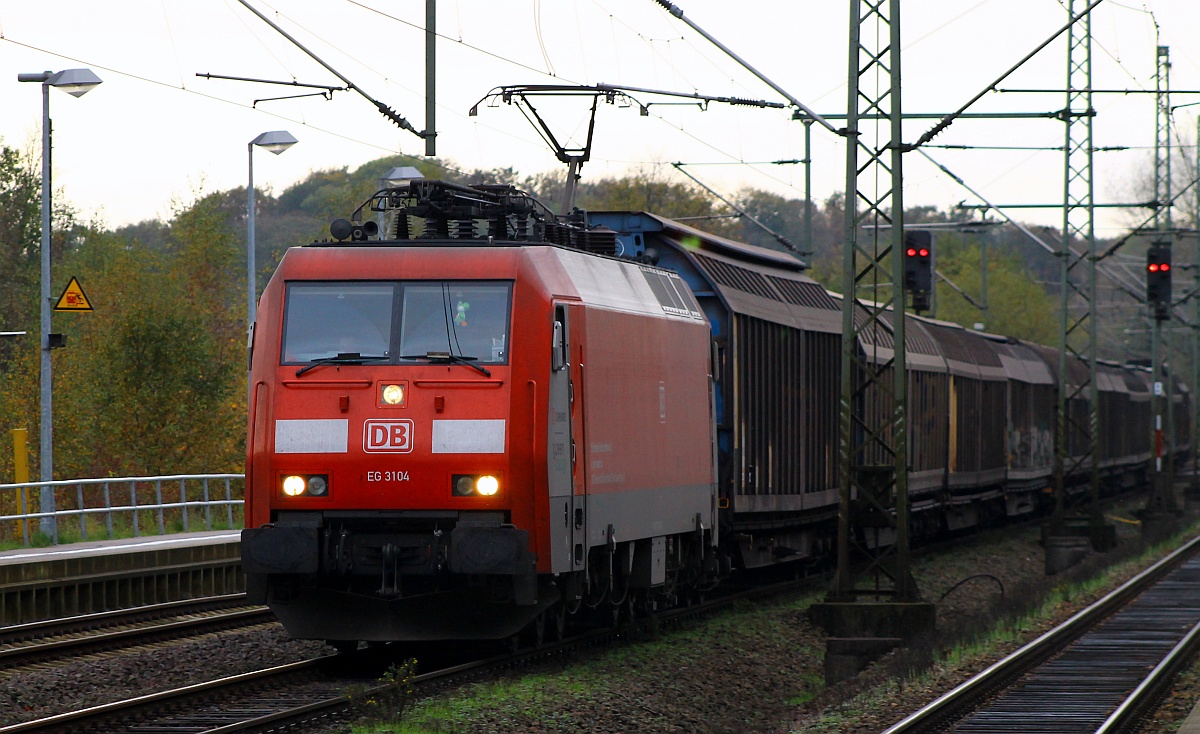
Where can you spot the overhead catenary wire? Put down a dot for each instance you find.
(214, 98)
(778, 237)
(950, 118)
(563, 79)
(1114, 277)
(678, 13)
(386, 111)
(654, 31)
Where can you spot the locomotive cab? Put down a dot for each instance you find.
(451, 436)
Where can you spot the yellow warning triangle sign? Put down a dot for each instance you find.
(73, 298)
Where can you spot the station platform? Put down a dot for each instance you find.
(95, 576)
(117, 546)
(1191, 725)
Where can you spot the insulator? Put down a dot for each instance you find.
(521, 227)
(464, 229)
(498, 227)
(436, 228)
(401, 229)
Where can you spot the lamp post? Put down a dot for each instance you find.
(394, 178)
(275, 141)
(400, 175)
(75, 82)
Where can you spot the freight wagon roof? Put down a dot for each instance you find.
(966, 353)
(754, 281)
(692, 238)
(1023, 364)
(1110, 378)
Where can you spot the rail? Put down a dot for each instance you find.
(947, 710)
(88, 504)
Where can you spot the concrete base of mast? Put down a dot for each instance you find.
(861, 632)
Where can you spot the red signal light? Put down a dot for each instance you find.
(1152, 267)
(1165, 267)
(911, 251)
(924, 252)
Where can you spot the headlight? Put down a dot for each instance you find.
(293, 486)
(305, 485)
(393, 394)
(468, 485)
(487, 485)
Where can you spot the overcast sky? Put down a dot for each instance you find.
(154, 133)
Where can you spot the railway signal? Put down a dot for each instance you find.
(1158, 280)
(918, 267)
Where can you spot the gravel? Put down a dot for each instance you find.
(757, 668)
(760, 668)
(57, 687)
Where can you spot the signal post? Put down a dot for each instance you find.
(1161, 512)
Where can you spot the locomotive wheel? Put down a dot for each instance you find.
(534, 634)
(556, 622)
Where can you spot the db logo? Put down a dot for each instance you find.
(393, 436)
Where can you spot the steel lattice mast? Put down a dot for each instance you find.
(1193, 492)
(1079, 332)
(873, 444)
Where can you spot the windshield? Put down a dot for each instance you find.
(400, 322)
(464, 319)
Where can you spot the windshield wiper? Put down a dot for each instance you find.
(448, 357)
(341, 358)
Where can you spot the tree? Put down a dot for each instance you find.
(1018, 306)
(153, 380)
(20, 234)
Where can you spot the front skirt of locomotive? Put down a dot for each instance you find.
(282, 571)
(318, 614)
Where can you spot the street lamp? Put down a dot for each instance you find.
(275, 141)
(395, 178)
(75, 82)
(399, 175)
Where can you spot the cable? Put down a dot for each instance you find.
(242, 105)
(540, 72)
(459, 42)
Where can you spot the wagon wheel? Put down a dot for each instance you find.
(615, 615)
(629, 608)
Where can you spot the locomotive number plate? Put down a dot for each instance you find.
(387, 476)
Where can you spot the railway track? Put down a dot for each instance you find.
(1100, 671)
(39, 642)
(317, 689)
(322, 687)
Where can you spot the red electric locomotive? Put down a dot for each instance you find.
(474, 424)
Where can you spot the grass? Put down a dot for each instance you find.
(1006, 632)
(616, 679)
(561, 700)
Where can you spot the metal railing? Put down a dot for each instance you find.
(84, 499)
